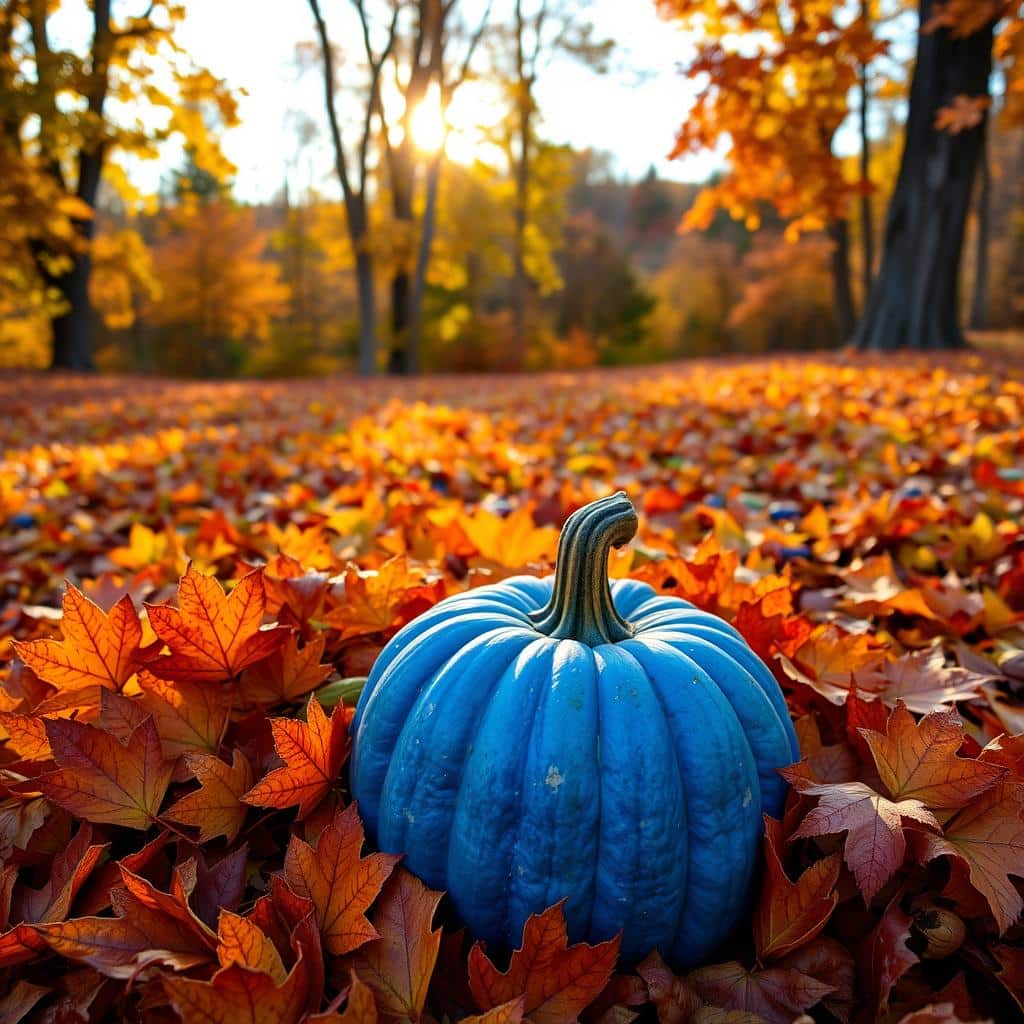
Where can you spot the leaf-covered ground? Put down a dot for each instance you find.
(176, 838)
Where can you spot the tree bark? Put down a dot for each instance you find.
(914, 303)
(867, 226)
(842, 294)
(979, 301)
(72, 329)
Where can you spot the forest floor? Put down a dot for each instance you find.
(860, 520)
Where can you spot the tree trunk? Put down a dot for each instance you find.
(979, 302)
(867, 226)
(521, 281)
(72, 329)
(367, 314)
(398, 355)
(419, 282)
(915, 303)
(842, 294)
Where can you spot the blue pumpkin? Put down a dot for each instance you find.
(576, 738)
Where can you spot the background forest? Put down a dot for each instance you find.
(418, 214)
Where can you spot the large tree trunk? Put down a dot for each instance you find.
(842, 293)
(867, 225)
(367, 314)
(520, 279)
(915, 303)
(979, 301)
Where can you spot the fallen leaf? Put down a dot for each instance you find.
(775, 994)
(558, 980)
(399, 965)
(875, 844)
(213, 636)
(313, 752)
(790, 914)
(918, 760)
(988, 836)
(97, 649)
(103, 780)
(341, 884)
(216, 808)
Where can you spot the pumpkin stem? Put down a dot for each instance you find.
(581, 606)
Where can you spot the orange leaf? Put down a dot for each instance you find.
(383, 600)
(212, 636)
(97, 649)
(988, 836)
(558, 980)
(790, 914)
(360, 1007)
(507, 1013)
(313, 752)
(215, 808)
(917, 760)
(828, 659)
(287, 674)
(188, 716)
(150, 927)
(69, 871)
(398, 966)
(341, 884)
(238, 995)
(103, 780)
(26, 736)
(241, 941)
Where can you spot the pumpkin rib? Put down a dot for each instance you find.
(419, 786)
(561, 799)
(737, 648)
(382, 708)
(764, 733)
(488, 801)
(642, 860)
(717, 767)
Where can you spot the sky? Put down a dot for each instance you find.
(632, 112)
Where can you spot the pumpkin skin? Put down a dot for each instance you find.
(581, 739)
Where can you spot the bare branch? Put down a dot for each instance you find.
(332, 113)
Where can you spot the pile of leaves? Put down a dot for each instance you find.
(194, 578)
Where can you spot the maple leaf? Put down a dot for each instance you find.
(921, 680)
(875, 844)
(215, 808)
(287, 674)
(20, 1000)
(150, 927)
(212, 636)
(674, 999)
(988, 836)
(507, 1013)
(360, 1007)
(512, 541)
(188, 716)
(341, 884)
(790, 914)
(103, 780)
(918, 760)
(68, 873)
(97, 650)
(238, 995)
(776, 994)
(313, 752)
(884, 956)
(241, 941)
(558, 980)
(383, 600)
(830, 657)
(398, 967)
